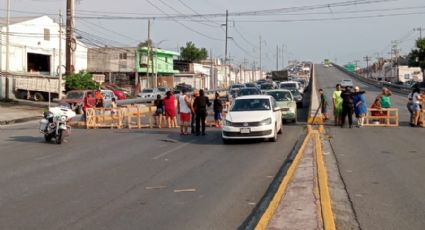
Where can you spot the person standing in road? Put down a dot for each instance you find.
(323, 105)
(218, 109)
(347, 107)
(99, 99)
(184, 110)
(193, 120)
(409, 106)
(337, 103)
(416, 106)
(200, 105)
(360, 107)
(87, 104)
(170, 109)
(159, 112)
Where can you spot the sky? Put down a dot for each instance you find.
(316, 30)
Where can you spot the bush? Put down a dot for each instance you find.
(80, 81)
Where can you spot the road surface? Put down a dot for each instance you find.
(383, 168)
(134, 179)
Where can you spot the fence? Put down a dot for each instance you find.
(381, 117)
(129, 116)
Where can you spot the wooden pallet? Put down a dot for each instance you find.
(389, 118)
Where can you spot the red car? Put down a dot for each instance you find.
(75, 99)
(119, 92)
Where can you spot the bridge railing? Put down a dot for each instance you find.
(393, 87)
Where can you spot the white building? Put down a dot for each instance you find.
(34, 47)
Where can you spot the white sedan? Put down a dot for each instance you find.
(252, 117)
(347, 82)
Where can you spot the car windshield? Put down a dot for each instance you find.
(244, 92)
(250, 85)
(280, 95)
(74, 95)
(147, 91)
(266, 86)
(241, 105)
(288, 85)
(162, 89)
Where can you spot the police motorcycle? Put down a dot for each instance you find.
(54, 123)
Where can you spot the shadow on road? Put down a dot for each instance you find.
(27, 139)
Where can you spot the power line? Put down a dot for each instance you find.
(194, 11)
(185, 26)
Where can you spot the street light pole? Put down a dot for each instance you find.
(225, 50)
(7, 50)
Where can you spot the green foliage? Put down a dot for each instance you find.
(146, 43)
(417, 56)
(192, 53)
(79, 81)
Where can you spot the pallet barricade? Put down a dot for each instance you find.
(381, 117)
(130, 116)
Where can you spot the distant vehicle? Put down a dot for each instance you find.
(237, 86)
(286, 102)
(266, 86)
(249, 91)
(121, 93)
(75, 99)
(251, 85)
(291, 85)
(233, 93)
(347, 82)
(253, 117)
(37, 88)
(297, 97)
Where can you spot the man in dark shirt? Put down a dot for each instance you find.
(200, 106)
(347, 106)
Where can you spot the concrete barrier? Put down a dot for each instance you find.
(314, 112)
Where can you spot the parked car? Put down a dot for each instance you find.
(251, 85)
(298, 97)
(149, 93)
(286, 102)
(255, 116)
(249, 91)
(347, 82)
(119, 92)
(266, 86)
(107, 97)
(75, 99)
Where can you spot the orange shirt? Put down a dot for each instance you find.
(99, 95)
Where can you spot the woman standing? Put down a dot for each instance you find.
(360, 107)
(170, 110)
(416, 106)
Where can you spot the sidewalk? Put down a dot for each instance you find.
(16, 113)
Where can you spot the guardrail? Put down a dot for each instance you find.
(393, 87)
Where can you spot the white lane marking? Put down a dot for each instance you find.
(171, 150)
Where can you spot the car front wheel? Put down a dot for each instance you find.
(274, 138)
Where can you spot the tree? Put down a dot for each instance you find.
(79, 81)
(193, 54)
(146, 43)
(417, 56)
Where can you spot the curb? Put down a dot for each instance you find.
(20, 120)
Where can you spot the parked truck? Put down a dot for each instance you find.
(37, 88)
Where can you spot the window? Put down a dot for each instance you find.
(123, 56)
(166, 59)
(46, 34)
(406, 76)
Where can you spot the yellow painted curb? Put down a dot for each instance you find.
(325, 198)
(274, 203)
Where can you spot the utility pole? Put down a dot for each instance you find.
(60, 56)
(283, 57)
(277, 58)
(227, 79)
(356, 62)
(367, 59)
(244, 72)
(7, 50)
(150, 81)
(420, 29)
(70, 6)
(212, 81)
(255, 72)
(260, 55)
(395, 49)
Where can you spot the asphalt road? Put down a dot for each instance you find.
(383, 168)
(134, 179)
